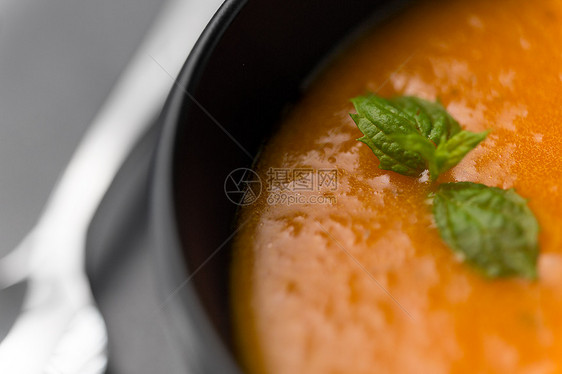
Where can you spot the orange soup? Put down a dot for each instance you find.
(352, 276)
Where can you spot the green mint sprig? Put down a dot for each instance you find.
(492, 229)
(410, 135)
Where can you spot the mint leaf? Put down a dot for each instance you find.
(432, 120)
(409, 134)
(492, 229)
(378, 121)
(452, 151)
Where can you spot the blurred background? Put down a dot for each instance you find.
(58, 61)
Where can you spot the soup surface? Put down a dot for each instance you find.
(354, 277)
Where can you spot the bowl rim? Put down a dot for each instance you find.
(184, 314)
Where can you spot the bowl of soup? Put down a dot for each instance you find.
(282, 247)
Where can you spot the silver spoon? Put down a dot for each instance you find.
(60, 329)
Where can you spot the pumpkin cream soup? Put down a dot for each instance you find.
(342, 267)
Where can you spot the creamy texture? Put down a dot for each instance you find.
(366, 285)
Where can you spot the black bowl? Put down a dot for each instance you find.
(252, 61)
